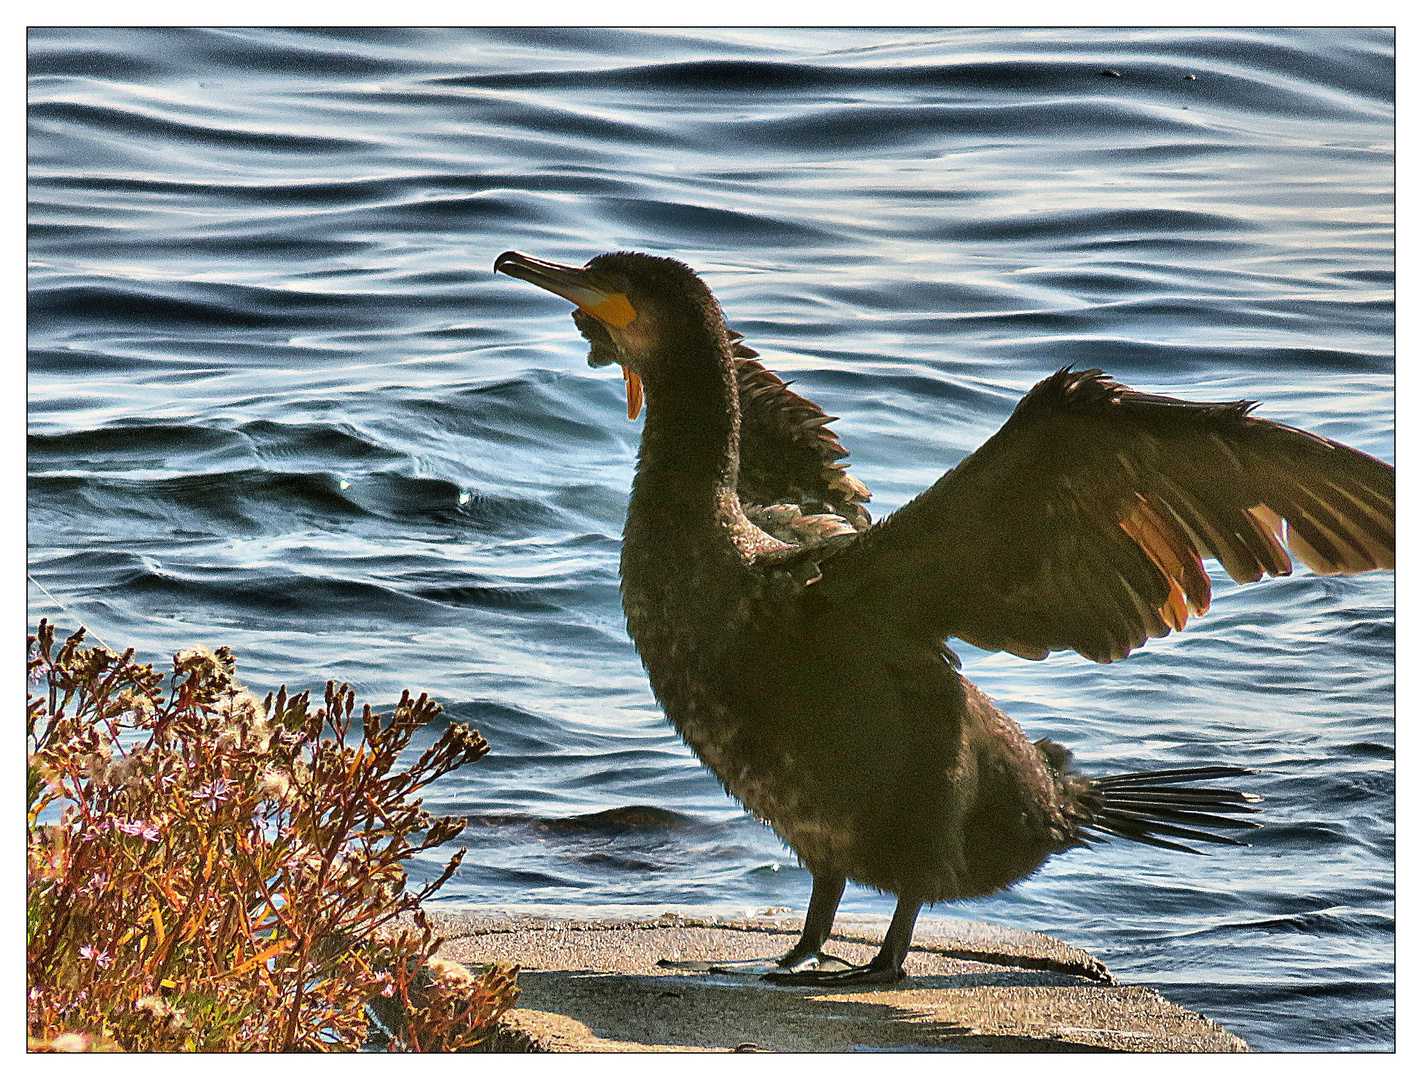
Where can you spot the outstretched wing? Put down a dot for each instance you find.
(791, 469)
(1082, 523)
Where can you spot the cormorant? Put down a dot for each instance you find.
(800, 651)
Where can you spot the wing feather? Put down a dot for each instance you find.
(1084, 522)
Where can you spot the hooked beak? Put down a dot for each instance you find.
(571, 283)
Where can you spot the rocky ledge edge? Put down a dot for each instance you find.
(591, 983)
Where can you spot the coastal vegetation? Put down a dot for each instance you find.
(213, 871)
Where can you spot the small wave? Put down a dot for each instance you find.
(476, 212)
(1318, 922)
(203, 307)
(1117, 224)
(612, 822)
(91, 62)
(118, 123)
(250, 500)
(1370, 750)
(687, 223)
(314, 442)
(529, 601)
(273, 595)
(132, 445)
(864, 127)
(55, 52)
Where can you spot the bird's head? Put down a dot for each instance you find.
(633, 309)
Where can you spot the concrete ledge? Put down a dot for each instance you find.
(590, 982)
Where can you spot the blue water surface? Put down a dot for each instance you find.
(278, 401)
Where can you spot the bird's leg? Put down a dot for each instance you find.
(819, 920)
(886, 967)
(805, 956)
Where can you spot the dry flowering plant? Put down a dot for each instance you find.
(210, 871)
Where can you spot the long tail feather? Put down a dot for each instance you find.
(1148, 806)
(1160, 776)
(1198, 796)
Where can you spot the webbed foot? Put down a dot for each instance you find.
(870, 974)
(766, 966)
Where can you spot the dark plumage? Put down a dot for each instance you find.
(799, 650)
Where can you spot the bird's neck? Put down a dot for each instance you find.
(683, 563)
(689, 458)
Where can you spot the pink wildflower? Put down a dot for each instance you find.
(145, 829)
(98, 957)
(213, 793)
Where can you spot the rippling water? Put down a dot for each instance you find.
(278, 401)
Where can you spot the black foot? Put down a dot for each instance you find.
(765, 966)
(868, 974)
